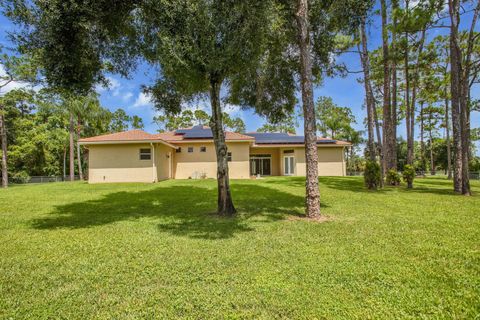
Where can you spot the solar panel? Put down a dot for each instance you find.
(198, 132)
(277, 138)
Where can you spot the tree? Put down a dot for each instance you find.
(388, 121)
(310, 125)
(15, 69)
(369, 97)
(188, 118)
(120, 121)
(200, 46)
(137, 122)
(333, 120)
(460, 68)
(286, 125)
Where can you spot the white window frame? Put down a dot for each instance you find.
(291, 166)
(143, 153)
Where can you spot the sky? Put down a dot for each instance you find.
(347, 92)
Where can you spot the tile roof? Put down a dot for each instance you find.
(173, 137)
(278, 138)
(132, 135)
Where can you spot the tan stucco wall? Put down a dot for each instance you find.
(331, 161)
(275, 153)
(119, 163)
(188, 165)
(164, 161)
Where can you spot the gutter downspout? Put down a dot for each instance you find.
(154, 176)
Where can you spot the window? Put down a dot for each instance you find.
(178, 150)
(145, 154)
(203, 149)
(190, 149)
(229, 156)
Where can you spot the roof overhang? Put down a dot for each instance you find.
(87, 143)
(319, 145)
(205, 141)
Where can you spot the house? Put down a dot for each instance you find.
(137, 156)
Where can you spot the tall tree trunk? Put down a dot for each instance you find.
(379, 145)
(225, 205)
(455, 87)
(465, 102)
(71, 131)
(388, 148)
(422, 141)
(432, 164)
(312, 200)
(79, 154)
(3, 141)
(408, 112)
(64, 163)
(447, 133)
(393, 137)
(369, 99)
(414, 94)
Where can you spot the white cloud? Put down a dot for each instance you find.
(114, 87)
(143, 100)
(12, 85)
(127, 96)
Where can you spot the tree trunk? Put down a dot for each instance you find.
(79, 154)
(455, 87)
(64, 163)
(369, 99)
(422, 142)
(414, 95)
(447, 133)
(3, 141)
(379, 145)
(72, 146)
(225, 205)
(394, 103)
(408, 112)
(388, 148)
(312, 200)
(432, 164)
(465, 102)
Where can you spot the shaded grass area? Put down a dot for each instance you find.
(157, 250)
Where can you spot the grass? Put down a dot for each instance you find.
(73, 250)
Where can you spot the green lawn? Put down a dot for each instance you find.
(155, 250)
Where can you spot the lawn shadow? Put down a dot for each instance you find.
(182, 210)
(420, 185)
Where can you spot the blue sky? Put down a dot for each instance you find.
(126, 93)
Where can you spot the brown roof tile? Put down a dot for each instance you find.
(132, 135)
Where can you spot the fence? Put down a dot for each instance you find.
(42, 179)
(472, 175)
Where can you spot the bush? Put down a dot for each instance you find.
(371, 175)
(409, 175)
(20, 177)
(393, 178)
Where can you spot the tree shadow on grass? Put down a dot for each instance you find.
(437, 185)
(179, 210)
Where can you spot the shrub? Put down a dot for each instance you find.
(393, 178)
(20, 177)
(372, 175)
(409, 175)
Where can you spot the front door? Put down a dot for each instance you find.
(288, 165)
(260, 165)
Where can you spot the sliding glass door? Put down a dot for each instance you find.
(288, 165)
(260, 164)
